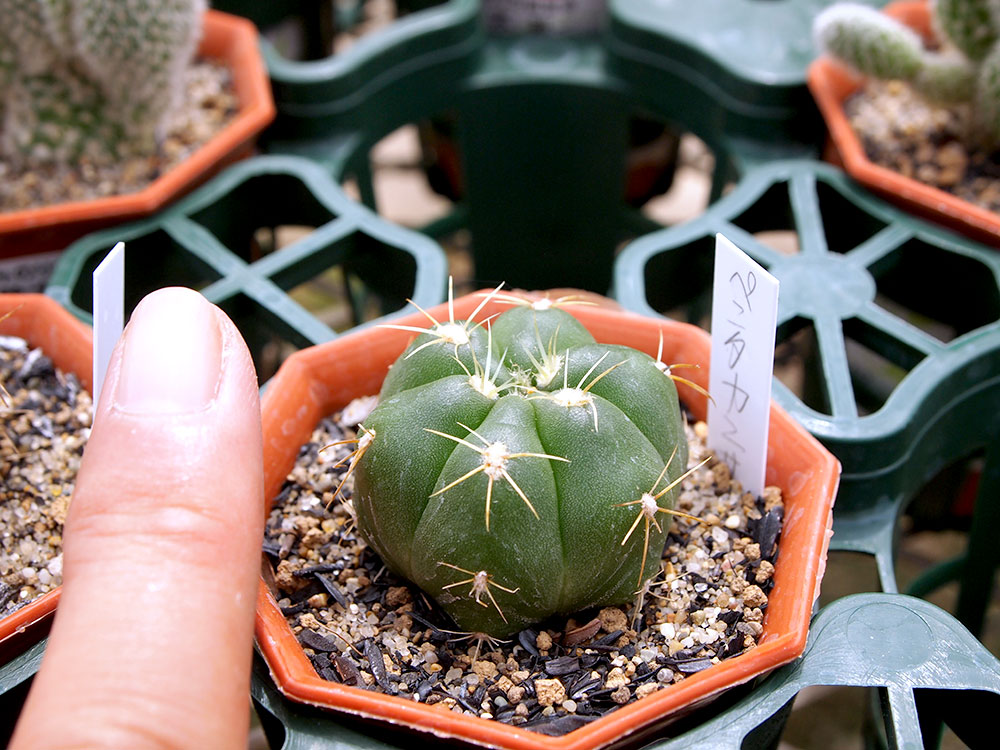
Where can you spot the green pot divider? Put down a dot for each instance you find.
(220, 241)
(746, 58)
(899, 323)
(542, 123)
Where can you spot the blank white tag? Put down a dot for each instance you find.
(109, 312)
(744, 315)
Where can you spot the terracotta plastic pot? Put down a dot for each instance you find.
(318, 381)
(831, 84)
(69, 344)
(229, 39)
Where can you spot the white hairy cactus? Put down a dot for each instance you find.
(965, 69)
(90, 78)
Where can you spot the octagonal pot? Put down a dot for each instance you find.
(321, 380)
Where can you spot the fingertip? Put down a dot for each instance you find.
(162, 542)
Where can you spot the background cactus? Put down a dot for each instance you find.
(504, 467)
(965, 69)
(90, 78)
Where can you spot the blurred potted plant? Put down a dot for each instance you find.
(941, 57)
(321, 380)
(44, 325)
(87, 88)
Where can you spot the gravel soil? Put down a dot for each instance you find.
(208, 105)
(902, 131)
(44, 423)
(361, 625)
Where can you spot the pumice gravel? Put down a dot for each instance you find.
(45, 419)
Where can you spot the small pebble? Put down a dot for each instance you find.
(550, 692)
(621, 695)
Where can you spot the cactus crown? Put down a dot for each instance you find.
(519, 469)
(965, 69)
(90, 78)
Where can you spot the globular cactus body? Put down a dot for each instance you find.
(503, 468)
(90, 78)
(966, 69)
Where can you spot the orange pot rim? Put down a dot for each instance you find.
(301, 393)
(831, 83)
(69, 344)
(225, 37)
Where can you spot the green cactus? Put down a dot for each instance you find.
(91, 78)
(520, 470)
(966, 69)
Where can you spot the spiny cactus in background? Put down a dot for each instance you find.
(520, 469)
(90, 78)
(965, 70)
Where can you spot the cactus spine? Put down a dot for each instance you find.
(520, 470)
(90, 78)
(965, 69)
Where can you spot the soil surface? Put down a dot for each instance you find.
(902, 131)
(44, 424)
(361, 625)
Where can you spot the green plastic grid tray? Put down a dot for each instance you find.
(542, 127)
(210, 241)
(905, 322)
(749, 55)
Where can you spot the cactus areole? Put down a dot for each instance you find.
(517, 469)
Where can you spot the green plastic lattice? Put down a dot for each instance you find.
(542, 124)
(212, 241)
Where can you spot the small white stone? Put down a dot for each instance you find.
(709, 635)
(732, 522)
(668, 631)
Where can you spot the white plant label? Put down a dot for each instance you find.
(109, 312)
(744, 315)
